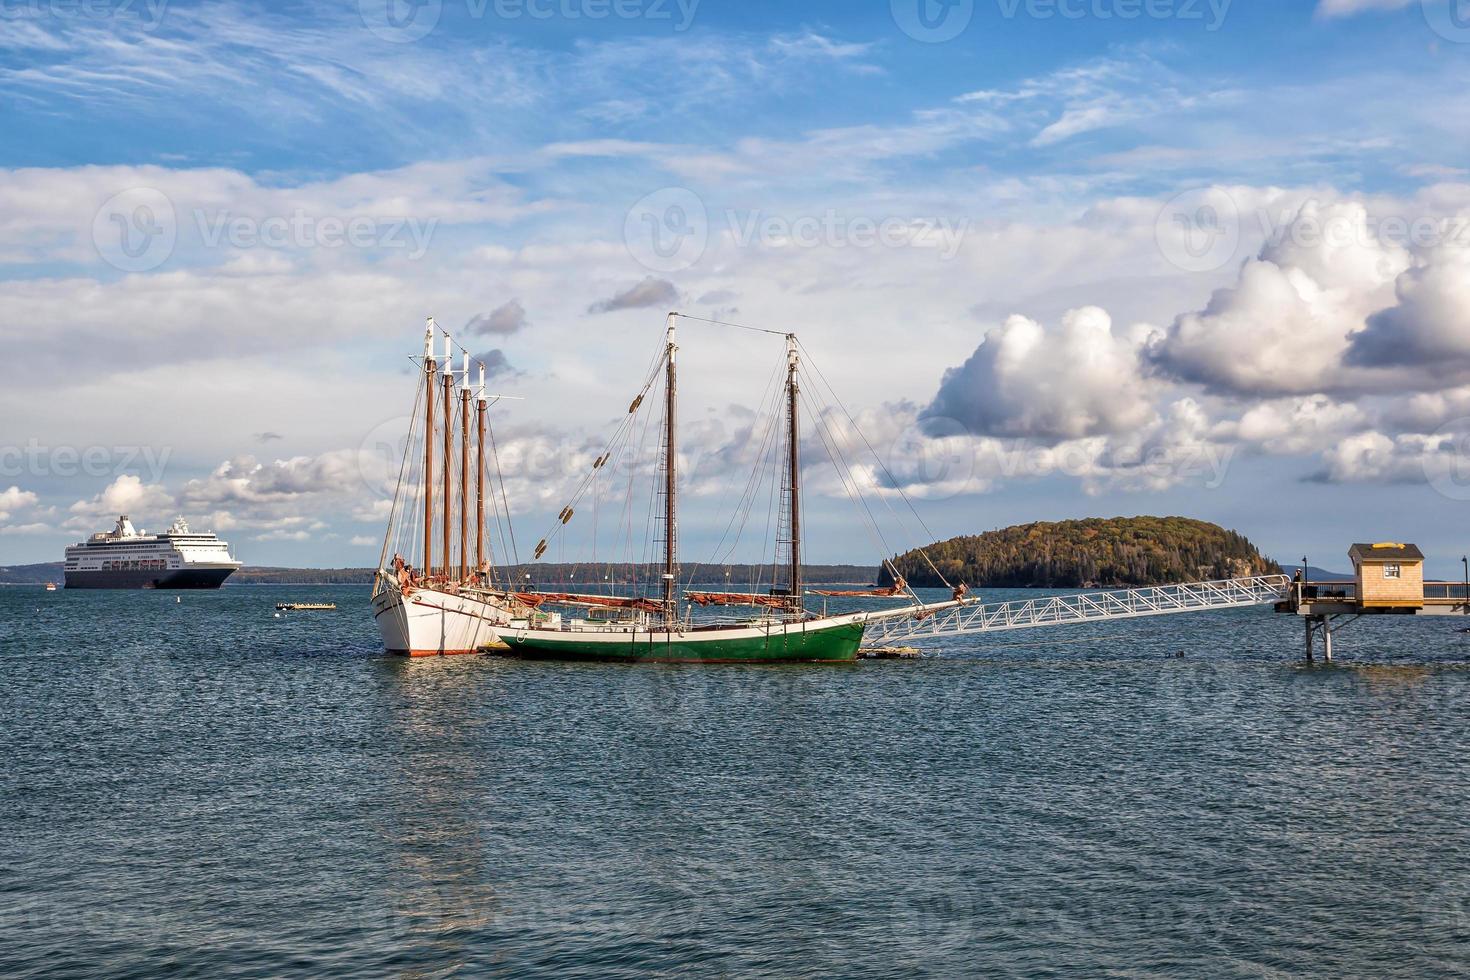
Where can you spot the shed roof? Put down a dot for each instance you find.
(1385, 551)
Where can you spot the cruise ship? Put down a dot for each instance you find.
(131, 558)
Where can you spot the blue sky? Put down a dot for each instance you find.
(1137, 256)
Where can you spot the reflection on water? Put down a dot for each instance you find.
(207, 789)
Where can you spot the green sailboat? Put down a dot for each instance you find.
(662, 629)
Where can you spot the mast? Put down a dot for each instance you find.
(464, 470)
(794, 473)
(429, 369)
(480, 481)
(448, 441)
(671, 482)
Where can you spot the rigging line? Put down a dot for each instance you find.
(746, 503)
(740, 326)
(623, 426)
(769, 542)
(844, 475)
(515, 551)
(755, 471)
(393, 523)
(844, 472)
(878, 459)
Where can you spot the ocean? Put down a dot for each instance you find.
(200, 788)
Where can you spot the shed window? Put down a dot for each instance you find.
(1393, 571)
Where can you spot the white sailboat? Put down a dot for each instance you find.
(446, 605)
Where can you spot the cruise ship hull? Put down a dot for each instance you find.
(180, 578)
(431, 623)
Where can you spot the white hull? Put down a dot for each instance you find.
(431, 623)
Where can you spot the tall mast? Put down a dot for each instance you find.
(448, 441)
(671, 482)
(793, 436)
(429, 368)
(480, 482)
(464, 470)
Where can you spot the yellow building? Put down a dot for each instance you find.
(1389, 575)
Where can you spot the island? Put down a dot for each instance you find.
(1093, 553)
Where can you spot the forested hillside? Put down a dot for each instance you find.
(1097, 552)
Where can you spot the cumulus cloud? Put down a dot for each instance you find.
(502, 321)
(13, 500)
(1376, 457)
(127, 494)
(1081, 380)
(1429, 326)
(1286, 325)
(649, 292)
(1296, 426)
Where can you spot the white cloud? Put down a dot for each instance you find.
(1287, 323)
(1297, 426)
(13, 500)
(1429, 326)
(1375, 457)
(127, 494)
(1081, 380)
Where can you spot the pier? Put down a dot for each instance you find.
(902, 627)
(1388, 580)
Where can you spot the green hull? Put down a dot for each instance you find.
(813, 644)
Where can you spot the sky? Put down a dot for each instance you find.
(1053, 258)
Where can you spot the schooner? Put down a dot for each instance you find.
(661, 630)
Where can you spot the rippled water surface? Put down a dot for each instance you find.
(199, 788)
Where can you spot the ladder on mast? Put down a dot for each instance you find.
(903, 626)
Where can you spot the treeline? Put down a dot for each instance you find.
(1121, 551)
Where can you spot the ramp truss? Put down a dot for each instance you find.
(907, 626)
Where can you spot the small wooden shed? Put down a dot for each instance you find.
(1389, 575)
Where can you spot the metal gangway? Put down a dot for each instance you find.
(904, 626)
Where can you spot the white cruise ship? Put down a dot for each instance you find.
(131, 558)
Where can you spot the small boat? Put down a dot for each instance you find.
(50, 586)
(306, 607)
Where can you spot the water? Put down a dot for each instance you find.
(202, 789)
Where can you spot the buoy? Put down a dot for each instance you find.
(178, 598)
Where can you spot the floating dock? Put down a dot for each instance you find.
(306, 606)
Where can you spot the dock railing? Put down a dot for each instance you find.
(1086, 607)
